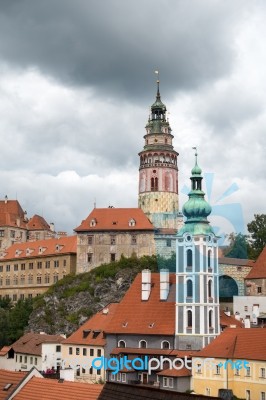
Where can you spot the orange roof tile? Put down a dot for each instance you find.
(115, 219)
(4, 350)
(30, 343)
(38, 223)
(236, 261)
(7, 377)
(175, 372)
(99, 322)
(11, 214)
(63, 245)
(228, 321)
(259, 269)
(237, 343)
(51, 389)
(151, 317)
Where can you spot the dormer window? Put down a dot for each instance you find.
(93, 222)
(132, 222)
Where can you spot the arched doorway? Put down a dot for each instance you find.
(227, 287)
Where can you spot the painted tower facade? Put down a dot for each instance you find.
(158, 171)
(197, 277)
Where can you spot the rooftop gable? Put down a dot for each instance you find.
(12, 214)
(115, 219)
(259, 269)
(30, 343)
(38, 223)
(63, 245)
(237, 343)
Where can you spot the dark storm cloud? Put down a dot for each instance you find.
(115, 45)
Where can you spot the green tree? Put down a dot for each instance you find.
(257, 230)
(238, 246)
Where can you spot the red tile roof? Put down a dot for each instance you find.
(11, 214)
(38, 223)
(63, 245)
(4, 350)
(175, 372)
(115, 219)
(237, 343)
(229, 321)
(99, 322)
(7, 377)
(259, 269)
(236, 261)
(30, 343)
(151, 317)
(51, 389)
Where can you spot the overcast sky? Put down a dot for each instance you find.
(76, 83)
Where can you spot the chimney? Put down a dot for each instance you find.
(227, 312)
(164, 284)
(6, 198)
(237, 315)
(52, 226)
(247, 322)
(67, 374)
(146, 284)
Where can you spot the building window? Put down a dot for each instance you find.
(91, 371)
(15, 267)
(143, 344)
(133, 239)
(78, 372)
(262, 373)
(20, 359)
(23, 267)
(90, 239)
(7, 281)
(189, 288)
(30, 279)
(22, 280)
(35, 360)
(210, 288)
(154, 184)
(12, 234)
(131, 222)
(165, 345)
(210, 319)
(246, 308)
(1, 282)
(64, 263)
(122, 344)
(118, 377)
(84, 352)
(98, 372)
(112, 257)
(31, 265)
(209, 258)
(168, 242)
(248, 371)
(124, 378)
(56, 263)
(1, 268)
(208, 391)
(99, 353)
(112, 239)
(2, 233)
(56, 278)
(70, 350)
(259, 289)
(47, 264)
(218, 370)
(39, 265)
(77, 351)
(247, 394)
(15, 280)
(15, 297)
(31, 360)
(30, 295)
(91, 352)
(189, 258)
(7, 268)
(189, 319)
(47, 278)
(168, 382)
(39, 280)
(89, 258)
(199, 368)
(22, 296)
(262, 396)
(58, 348)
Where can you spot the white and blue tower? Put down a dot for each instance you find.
(197, 278)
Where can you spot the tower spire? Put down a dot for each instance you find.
(158, 96)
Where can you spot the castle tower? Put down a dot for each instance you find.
(158, 171)
(197, 278)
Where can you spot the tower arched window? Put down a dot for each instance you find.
(189, 319)
(209, 258)
(156, 184)
(152, 184)
(189, 288)
(210, 288)
(210, 319)
(189, 258)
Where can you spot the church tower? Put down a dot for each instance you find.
(197, 277)
(158, 171)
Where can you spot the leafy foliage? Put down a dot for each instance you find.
(238, 246)
(257, 230)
